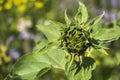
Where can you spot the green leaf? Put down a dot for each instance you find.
(106, 34)
(51, 31)
(94, 21)
(30, 66)
(102, 51)
(82, 14)
(67, 20)
(82, 71)
(40, 46)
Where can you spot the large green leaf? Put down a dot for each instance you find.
(51, 30)
(106, 34)
(30, 66)
(82, 71)
(82, 14)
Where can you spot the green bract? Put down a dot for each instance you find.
(73, 38)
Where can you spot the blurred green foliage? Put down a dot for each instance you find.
(18, 34)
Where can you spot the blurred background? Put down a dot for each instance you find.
(18, 34)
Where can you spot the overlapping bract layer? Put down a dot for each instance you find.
(75, 40)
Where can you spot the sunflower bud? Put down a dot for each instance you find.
(75, 40)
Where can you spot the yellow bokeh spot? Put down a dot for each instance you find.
(38, 4)
(8, 5)
(1, 8)
(1, 1)
(97, 62)
(24, 1)
(0, 61)
(21, 8)
(7, 59)
(3, 55)
(3, 50)
(17, 2)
